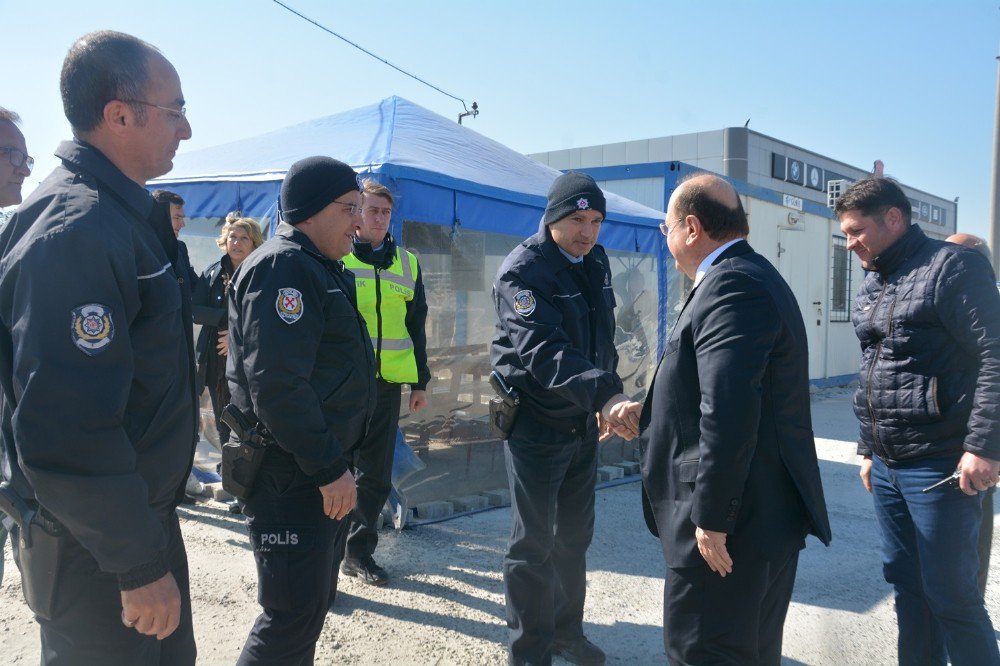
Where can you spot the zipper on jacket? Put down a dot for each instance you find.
(876, 445)
(378, 324)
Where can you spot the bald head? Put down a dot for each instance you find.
(973, 242)
(714, 201)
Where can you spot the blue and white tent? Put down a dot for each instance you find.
(441, 172)
(462, 202)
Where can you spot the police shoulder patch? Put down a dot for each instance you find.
(289, 305)
(91, 328)
(524, 302)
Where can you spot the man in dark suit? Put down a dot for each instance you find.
(731, 482)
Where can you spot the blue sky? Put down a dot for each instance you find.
(911, 83)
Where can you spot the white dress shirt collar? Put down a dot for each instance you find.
(707, 262)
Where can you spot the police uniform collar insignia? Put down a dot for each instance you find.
(91, 328)
(582, 204)
(524, 302)
(289, 305)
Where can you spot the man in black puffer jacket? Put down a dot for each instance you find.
(928, 318)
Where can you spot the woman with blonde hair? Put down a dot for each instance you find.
(238, 238)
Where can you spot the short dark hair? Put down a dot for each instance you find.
(100, 67)
(168, 197)
(874, 196)
(718, 220)
(9, 116)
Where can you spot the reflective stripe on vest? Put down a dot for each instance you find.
(382, 299)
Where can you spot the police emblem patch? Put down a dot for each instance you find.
(91, 328)
(524, 302)
(582, 204)
(289, 305)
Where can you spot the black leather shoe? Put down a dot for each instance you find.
(579, 651)
(365, 569)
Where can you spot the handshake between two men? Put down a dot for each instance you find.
(619, 416)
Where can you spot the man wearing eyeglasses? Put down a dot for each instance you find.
(99, 418)
(15, 163)
(13, 171)
(301, 364)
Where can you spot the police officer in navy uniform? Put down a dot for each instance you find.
(96, 362)
(301, 362)
(555, 346)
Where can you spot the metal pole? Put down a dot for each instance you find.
(995, 212)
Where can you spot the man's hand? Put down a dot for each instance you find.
(418, 400)
(978, 473)
(866, 473)
(712, 546)
(223, 344)
(340, 496)
(153, 609)
(620, 416)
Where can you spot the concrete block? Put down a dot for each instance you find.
(629, 468)
(609, 473)
(498, 497)
(470, 503)
(430, 510)
(217, 493)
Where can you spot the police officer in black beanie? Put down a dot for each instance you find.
(300, 362)
(555, 346)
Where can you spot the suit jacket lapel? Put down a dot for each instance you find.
(733, 250)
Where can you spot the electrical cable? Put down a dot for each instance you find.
(367, 52)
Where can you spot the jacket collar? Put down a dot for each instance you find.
(79, 155)
(550, 250)
(293, 235)
(896, 254)
(383, 258)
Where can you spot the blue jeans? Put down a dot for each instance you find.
(929, 556)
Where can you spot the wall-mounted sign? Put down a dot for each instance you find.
(791, 202)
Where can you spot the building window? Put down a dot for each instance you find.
(840, 298)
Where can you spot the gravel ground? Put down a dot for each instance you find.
(446, 606)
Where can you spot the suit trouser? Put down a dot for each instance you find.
(736, 620)
(372, 462)
(551, 477)
(929, 556)
(985, 540)
(86, 627)
(297, 550)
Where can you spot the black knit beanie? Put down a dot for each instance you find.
(312, 184)
(571, 192)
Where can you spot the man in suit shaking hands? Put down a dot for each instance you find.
(731, 482)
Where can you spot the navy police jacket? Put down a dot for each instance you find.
(929, 324)
(99, 418)
(300, 358)
(554, 343)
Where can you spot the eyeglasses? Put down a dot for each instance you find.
(353, 209)
(665, 229)
(176, 113)
(18, 158)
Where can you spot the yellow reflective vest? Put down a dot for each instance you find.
(382, 298)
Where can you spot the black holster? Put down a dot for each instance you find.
(38, 541)
(502, 417)
(242, 457)
(504, 408)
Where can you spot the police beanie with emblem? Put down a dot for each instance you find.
(572, 192)
(312, 184)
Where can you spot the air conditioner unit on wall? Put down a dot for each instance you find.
(834, 190)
